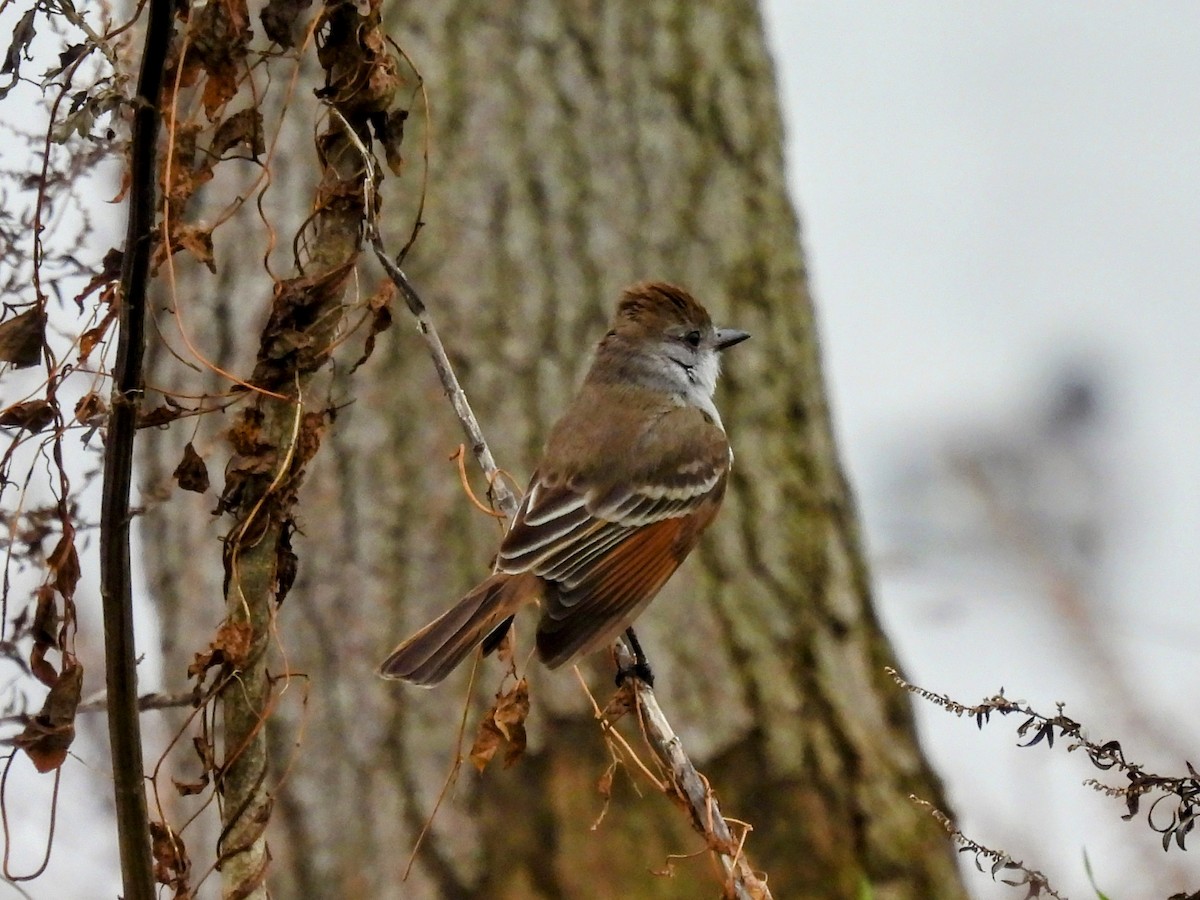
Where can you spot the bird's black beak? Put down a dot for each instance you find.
(727, 337)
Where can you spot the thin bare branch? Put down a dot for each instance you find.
(124, 724)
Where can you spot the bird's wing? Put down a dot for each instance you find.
(607, 546)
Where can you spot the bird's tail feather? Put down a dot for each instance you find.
(432, 653)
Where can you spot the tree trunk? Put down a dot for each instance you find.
(577, 148)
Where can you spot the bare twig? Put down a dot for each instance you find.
(504, 497)
(124, 725)
(98, 702)
(997, 863)
(743, 883)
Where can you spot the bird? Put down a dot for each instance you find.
(631, 475)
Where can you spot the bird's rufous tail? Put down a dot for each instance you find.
(432, 653)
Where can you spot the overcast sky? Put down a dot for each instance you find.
(991, 191)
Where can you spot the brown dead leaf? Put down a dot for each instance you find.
(171, 863)
(160, 415)
(504, 725)
(290, 344)
(189, 788)
(93, 336)
(192, 473)
(64, 563)
(91, 409)
(197, 241)
(21, 338)
(281, 20)
(487, 741)
(389, 131)
(220, 34)
(110, 271)
(312, 429)
(286, 562)
(228, 648)
(622, 702)
(185, 176)
(48, 735)
(243, 128)
(380, 304)
(44, 632)
(30, 415)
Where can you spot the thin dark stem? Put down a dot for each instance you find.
(124, 726)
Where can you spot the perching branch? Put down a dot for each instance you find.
(124, 725)
(693, 789)
(690, 786)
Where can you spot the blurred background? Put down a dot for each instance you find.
(1000, 209)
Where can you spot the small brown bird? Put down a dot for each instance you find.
(632, 474)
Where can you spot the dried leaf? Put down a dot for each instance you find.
(171, 862)
(280, 19)
(220, 33)
(242, 128)
(228, 648)
(21, 338)
(380, 304)
(93, 336)
(22, 37)
(192, 473)
(487, 741)
(286, 562)
(49, 734)
(91, 409)
(160, 415)
(64, 564)
(289, 345)
(110, 271)
(65, 59)
(623, 701)
(31, 415)
(504, 725)
(197, 241)
(389, 131)
(188, 788)
(44, 632)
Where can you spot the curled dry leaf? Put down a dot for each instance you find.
(30, 415)
(160, 415)
(91, 409)
(110, 272)
(280, 19)
(48, 735)
(220, 33)
(191, 473)
(504, 725)
(243, 129)
(622, 702)
(93, 336)
(63, 562)
(286, 561)
(172, 866)
(21, 338)
(380, 304)
(229, 648)
(44, 632)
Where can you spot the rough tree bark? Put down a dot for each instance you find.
(576, 148)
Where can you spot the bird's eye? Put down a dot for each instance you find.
(692, 338)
